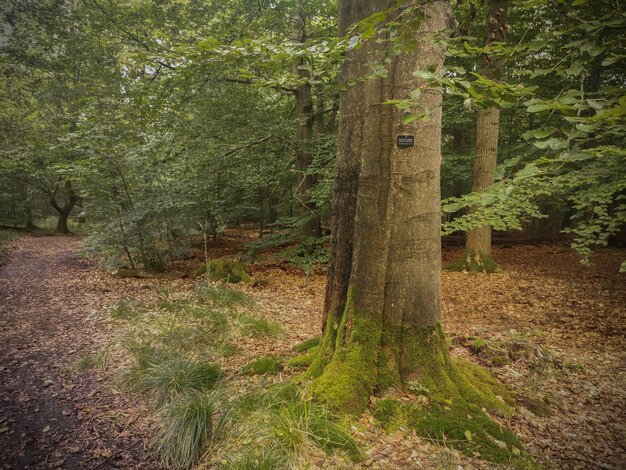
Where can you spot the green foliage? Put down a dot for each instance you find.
(267, 365)
(307, 254)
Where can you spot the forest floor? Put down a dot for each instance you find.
(550, 329)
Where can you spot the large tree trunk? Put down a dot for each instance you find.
(382, 301)
(478, 244)
(304, 135)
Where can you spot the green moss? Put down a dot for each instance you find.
(306, 345)
(473, 262)
(468, 429)
(387, 412)
(225, 270)
(480, 344)
(477, 386)
(351, 376)
(325, 351)
(267, 365)
(305, 360)
(461, 425)
(500, 361)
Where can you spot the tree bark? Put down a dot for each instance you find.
(70, 198)
(382, 304)
(478, 244)
(304, 134)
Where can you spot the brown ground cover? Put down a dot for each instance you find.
(552, 330)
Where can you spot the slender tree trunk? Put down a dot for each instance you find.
(478, 244)
(304, 135)
(382, 304)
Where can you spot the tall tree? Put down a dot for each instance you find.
(382, 301)
(478, 244)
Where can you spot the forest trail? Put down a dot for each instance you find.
(561, 326)
(51, 416)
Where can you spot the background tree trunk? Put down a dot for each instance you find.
(478, 244)
(70, 199)
(304, 136)
(383, 289)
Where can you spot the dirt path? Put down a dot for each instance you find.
(51, 416)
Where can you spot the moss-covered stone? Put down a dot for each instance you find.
(473, 262)
(225, 270)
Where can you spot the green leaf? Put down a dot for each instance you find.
(409, 118)
(536, 108)
(543, 133)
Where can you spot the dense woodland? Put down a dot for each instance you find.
(254, 197)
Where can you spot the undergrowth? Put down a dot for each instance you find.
(175, 352)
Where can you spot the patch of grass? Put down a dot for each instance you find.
(97, 360)
(186, 338)
(171, 376)
(226, 350)
(123, 310)
(250, 325)
(186, 429)
(267, 365)
(258, 458)
(221, 296)
(306, 345)
(279, 418)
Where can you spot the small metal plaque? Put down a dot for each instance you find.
(405, 141)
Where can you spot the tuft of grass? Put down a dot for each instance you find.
(306, 345)
(226, 350)
(171, 376)
(97, 360)
(259, 458)
(279, 418)
(186, 429)
(221, 296)
(258, 327)
(267, 365)
(123, 310)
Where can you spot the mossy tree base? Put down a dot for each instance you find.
(374, 361)
(225, 270)
(474, 262)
